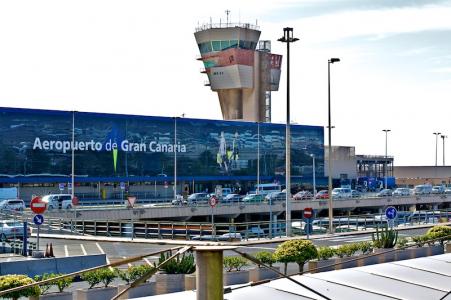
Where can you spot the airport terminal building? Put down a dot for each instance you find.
(145, 153)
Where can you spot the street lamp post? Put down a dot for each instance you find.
(314, 177)
(385, 170)
(443, 138)
(436, 145)
(288, 38)
(331, 208)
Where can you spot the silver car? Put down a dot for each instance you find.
(10, 229)
(12, 205)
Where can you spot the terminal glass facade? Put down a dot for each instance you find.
(36, 145)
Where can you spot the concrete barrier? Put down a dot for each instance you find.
(64, 265)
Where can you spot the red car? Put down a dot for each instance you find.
(323, 194)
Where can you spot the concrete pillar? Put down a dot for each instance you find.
(209, 272)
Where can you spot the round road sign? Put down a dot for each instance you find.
(391, 213)
(213, 201)
(38, 219)
(308, 212)
(37, 205)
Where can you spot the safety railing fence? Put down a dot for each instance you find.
(240, 230)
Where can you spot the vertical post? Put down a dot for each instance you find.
(213, 231)
(258, 157)
(436, 145)
(329, 151)
(25, 239)
(37, 238)
(73, 170)
(288, 38)
(175, 158)
(314, 177)
(386, 155)
(443, 138)
(209, 279)
(330, 204)
(270, 217)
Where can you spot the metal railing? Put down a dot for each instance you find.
(230, 231)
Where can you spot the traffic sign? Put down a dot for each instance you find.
(122, 185)
(38, 219)
(213, 201)
(75, 200)
(37, 205)
(308, 212)
(391, 213)
(131, 201)
(61, 186)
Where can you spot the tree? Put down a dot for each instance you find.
(298, 251)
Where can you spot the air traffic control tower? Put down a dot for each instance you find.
(240, 68)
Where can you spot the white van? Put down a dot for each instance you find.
(422, 189)
(58, 201)
(267, 188)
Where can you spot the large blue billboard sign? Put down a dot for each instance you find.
(38, 144)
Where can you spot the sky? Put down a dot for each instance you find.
(139, 57)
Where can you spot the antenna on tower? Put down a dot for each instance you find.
(227, 13)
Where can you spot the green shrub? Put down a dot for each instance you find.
(234, 263)
(265, 257)
(139, 271)
(365, 247)
(440, 232)
(325, 253)
(298, 251)
(97, 276)
(11, 281)
(107, 275)
(346, 250)
(385, 237)
(402, 242)
(420, 240)
(183, 265)
(124, 275)
(46, 286)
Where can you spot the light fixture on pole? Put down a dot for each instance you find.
(288, 38)
(331, 208)
(386, 157)
(436, 145)
(314, 176)
(443, 138)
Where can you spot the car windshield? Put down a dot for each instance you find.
(14, 223)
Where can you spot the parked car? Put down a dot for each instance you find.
(303, 195)
(323, 194)
(10, 229)
(231, 236)
(198, 198)
(438, 189)
(385, 193)
(401, 192)
(448, 190)
(58, 201)
(12, 205)
(179, 200)
(253, 198)
(276, 196)
(340, 193)
(231, 198)
(356, 194)
(422, 189)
